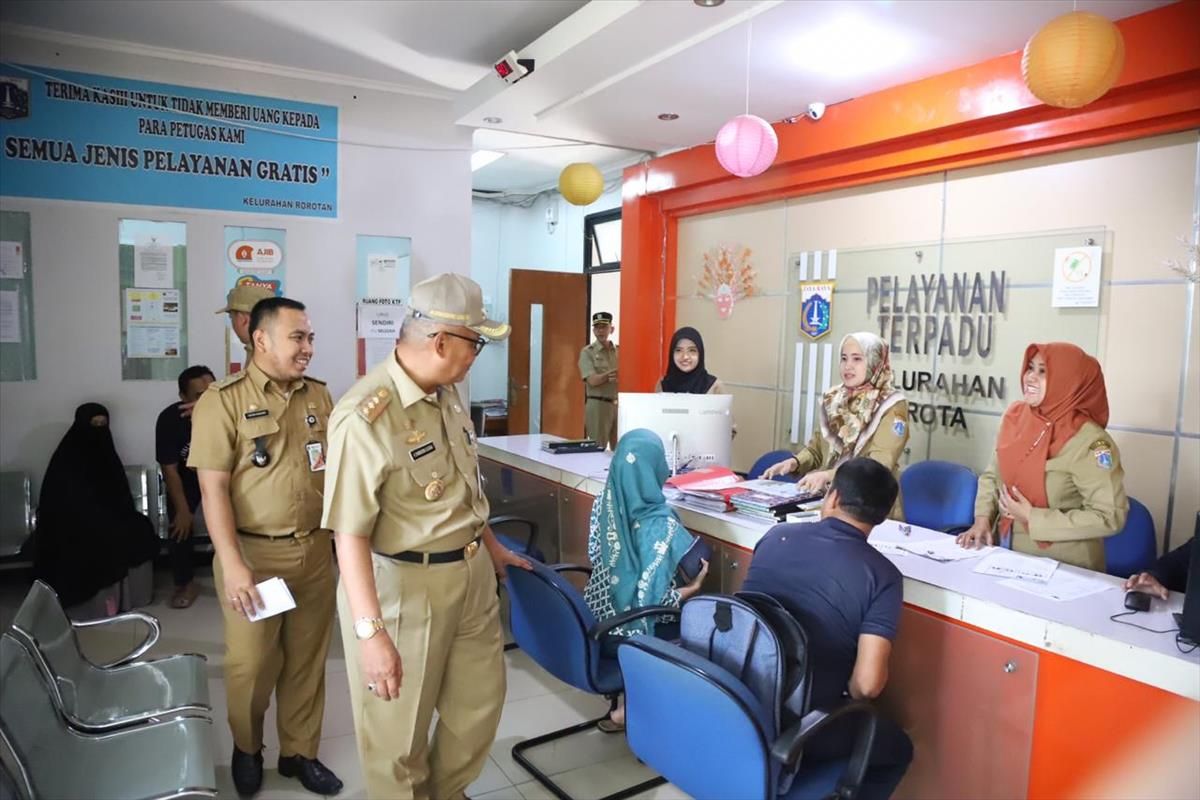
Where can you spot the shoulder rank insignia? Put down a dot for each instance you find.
(230, 381)
(373, 404)
(1102, 452)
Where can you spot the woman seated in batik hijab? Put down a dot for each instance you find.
(88, 532)
(635, 544)
(864, 415)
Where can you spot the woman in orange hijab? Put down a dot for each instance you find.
(1055, 482)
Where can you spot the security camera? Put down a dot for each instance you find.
(815, 111)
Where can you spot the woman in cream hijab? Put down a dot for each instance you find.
(864, 415)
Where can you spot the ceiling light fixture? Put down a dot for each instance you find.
(708, 3)
(481, 158)
(668, 117)
(850, 46)
(492, 120)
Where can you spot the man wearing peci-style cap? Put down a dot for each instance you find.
(238, 305)
(417, 601)
(598, 368)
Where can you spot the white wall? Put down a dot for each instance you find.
(422, 194)
(504, 238)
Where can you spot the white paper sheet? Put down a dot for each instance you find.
(152, 341)
(152, 307)
(945, 549)
(276, 597)
(379, 321)
(12, 263)
(152, 267)
(10, 316)
(1007, 564)
(382, 272)
(1076, 277)
(888, 548)
(1064, 585)
(377, 350)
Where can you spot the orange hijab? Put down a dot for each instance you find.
(1028, 436)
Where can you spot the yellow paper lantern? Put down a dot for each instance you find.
(1073, 60)
(581, 184)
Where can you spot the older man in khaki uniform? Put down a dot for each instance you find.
(418, 606)
(598, 368)
(258, 442)
(238, 305)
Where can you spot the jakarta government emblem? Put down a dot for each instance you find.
(816, 308)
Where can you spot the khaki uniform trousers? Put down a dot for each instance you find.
(600, 421)
(285, 653)
(445, 621)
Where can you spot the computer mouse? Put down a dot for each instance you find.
(1137, 601)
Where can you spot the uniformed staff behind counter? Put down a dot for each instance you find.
(258, 442)
(598, 368)
(418, 605)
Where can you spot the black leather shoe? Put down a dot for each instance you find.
(313, 775)
(247, 772)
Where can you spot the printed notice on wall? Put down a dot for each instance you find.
(1076, 277)
(380, 319)
(382, 274)
(12, 261)
(152, 307)
(152, 267)
(10, 316)
(152, 341)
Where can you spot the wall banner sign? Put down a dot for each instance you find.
(74, 136)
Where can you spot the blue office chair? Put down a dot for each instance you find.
(552, 623)
(1135, 548)
(769, 460)
(528, 547)
(939, 495)
(701, 728)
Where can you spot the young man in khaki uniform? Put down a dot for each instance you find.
(598, 368)
(238, 305)
(417, 602)
(258, 442)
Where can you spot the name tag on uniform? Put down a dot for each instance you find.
(316, 456)
(262, 412)
(422, 451)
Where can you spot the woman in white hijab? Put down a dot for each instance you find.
(864, 415)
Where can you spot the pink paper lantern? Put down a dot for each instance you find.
(746, 145)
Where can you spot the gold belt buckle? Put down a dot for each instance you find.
(471, 549)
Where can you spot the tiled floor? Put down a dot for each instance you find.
(586, 765)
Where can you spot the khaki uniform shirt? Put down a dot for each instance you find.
(284, 496)
(597, 359)
(1085, 492)
(403, 466)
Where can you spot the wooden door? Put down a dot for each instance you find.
(563, 297)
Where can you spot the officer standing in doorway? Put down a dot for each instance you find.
(417, 602)
(598, 368)
(258, 443)
(238, 305)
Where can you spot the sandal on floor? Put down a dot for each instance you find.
(606, 725)
(184, 596)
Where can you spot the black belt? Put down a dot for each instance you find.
(291, 535)
(444, 557)
(601, 399)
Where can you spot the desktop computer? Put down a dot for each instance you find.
(696, 429)
(1189, 619)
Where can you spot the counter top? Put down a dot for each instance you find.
(1080, 629)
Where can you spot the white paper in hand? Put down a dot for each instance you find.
(276, 597)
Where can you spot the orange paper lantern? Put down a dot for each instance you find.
(580, 184)
(1073, 60)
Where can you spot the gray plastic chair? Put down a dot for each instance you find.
(122, 693)
(168, 760)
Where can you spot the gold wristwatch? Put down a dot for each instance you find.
(366, 627)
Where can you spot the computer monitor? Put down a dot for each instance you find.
(1189, 620)
(696, 429)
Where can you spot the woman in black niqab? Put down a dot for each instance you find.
(88, 531)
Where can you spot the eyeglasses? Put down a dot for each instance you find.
(478, 343)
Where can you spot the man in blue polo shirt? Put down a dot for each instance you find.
(847, 596)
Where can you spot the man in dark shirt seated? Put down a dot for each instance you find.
(172, 440)
(847, 596)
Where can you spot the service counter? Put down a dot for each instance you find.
(1005, 694)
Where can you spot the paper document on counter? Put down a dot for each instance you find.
(945, 549)
(1064, 585)
(276, 597)
(888, 548)
(1007, 564)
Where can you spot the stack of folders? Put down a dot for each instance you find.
(718, 500)
(773, 500)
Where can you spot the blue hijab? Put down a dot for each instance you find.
(641, 539)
